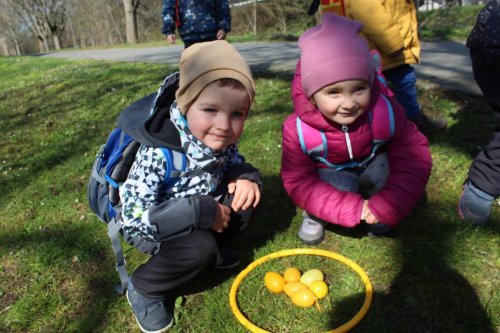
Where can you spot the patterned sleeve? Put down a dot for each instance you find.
(141, 190)
(168, 17)
(223, 15)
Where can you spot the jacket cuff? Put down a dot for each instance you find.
(206, 210)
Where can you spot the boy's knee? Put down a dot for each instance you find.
(205, 249)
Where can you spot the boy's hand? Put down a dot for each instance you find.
(246, 194)
(367, 214)
(222, 217)
(171, 38)
(221, 34)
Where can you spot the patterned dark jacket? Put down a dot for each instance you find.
(149, 211)
(485, 36)
(195, 19)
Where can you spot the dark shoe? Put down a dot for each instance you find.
(150, 313)
(377, 229)
(475, 205)
(428, 125)
(227, 258)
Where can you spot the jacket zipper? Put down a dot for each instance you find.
(348, 140)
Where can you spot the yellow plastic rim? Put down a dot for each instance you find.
(285, 253)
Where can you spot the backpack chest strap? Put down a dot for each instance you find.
(314, 144)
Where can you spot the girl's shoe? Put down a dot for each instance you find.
(150, 313)
(475, 205)
(311, 232)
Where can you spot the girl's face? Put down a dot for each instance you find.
(217, 115)
(343, 102)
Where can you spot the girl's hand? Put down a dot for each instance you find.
(222, 217)
(246, 194)
(367, 214)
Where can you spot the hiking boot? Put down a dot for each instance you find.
(377, 229)
(150, 313)
(475, 205)
(311, 232)
(227, 258)
(428, 125)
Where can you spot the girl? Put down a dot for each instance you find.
(336, 93)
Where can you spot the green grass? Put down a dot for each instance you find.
(434, 274)
(453, 23)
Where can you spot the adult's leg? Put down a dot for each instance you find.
(404, 84)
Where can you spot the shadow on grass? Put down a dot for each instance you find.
(72, 250)
(474, 122)
(427, 295)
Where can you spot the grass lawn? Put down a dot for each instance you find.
(433, 274)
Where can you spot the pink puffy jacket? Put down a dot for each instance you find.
(410, 164)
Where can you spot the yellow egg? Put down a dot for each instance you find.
(274, 282)
(311, 275)
(292, 274)
(319, 288)
(303, 298)
(291, 287)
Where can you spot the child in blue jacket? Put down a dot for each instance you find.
(197, 21)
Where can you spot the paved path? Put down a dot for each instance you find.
(444, 63)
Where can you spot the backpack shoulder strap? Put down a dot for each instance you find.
(312, 141)
(176, 163)
(382, 120)
(114, 228)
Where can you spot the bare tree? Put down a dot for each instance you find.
(131, 20)
(45, 18)
(10, 31)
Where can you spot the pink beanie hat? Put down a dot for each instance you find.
(334, 52)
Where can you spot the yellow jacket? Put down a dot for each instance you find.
(390, 26)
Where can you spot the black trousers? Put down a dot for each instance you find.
(181, 259)
(485, 169)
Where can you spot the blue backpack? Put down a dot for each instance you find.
(112, 165)
(313, 142)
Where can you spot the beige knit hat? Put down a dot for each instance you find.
(204, 63)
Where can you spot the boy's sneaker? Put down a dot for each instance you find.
(150, 313)
(311, 232)
(377, 229)
(475, 205)
(227, 258)
(428, 125)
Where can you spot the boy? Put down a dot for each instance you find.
(212, 200)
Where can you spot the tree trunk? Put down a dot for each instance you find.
(57, 43)
(255, 17)
(131, 20)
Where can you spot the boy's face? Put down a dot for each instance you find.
(343, 102)
(217, 115)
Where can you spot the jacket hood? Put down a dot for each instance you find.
(310, 114)
(148, 119)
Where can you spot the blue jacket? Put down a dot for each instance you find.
(196, 20)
